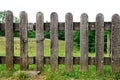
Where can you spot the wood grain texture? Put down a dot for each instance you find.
(54, 42)
(68, 42)
(109, 44)
(23, 41)
(99, 35)
(61, 26)
(61, 60)
(54, 26)
(9, 40)
(40, 41)
(84, 42)
(115, 43)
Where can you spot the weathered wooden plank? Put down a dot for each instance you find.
(115, 43)
(39, 41)
(109, 44)
(23, 41)
(31, 26)
(107, 25)
(54, 42)
(107, 61)
(68, 42)
(99, 36)
(84, 42)
(9, 40)
(61, 26)
(2, 60)
(61, 60)
(91, 25)
(2, 26)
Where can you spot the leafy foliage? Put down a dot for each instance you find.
(2, 17)
(31, 34)
(2, 20)
(117, 75)
(91, 36)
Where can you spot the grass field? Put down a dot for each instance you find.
(32, 47)
(61, 74)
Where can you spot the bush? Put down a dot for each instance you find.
(31, 34)
(47, 34)
(2, 33)
(91, 37)
(117, 76)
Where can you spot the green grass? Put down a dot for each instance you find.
(32, 47)
(77, 75)
(61, 74)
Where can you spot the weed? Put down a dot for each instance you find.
(117, 76)
(20, 75)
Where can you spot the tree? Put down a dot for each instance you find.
(2, 17)
(2, 20)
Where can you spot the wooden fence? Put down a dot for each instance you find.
(54, 26)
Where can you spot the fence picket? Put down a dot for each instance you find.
(84, 42)
(23, 41)
(39, 41)
(54, 42)
(113, 46)
(9, 40)
(99, 34)
(68, 42)
(115, 43)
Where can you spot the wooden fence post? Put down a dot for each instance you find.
(9, 40)
(23, 41)
(99, 36)
(68, 42)
(115, 43)
(54, 42)
(40, 41)
(84, 42)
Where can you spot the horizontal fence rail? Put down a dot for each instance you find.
(68, 26)
(61, 26)
(61, 60)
